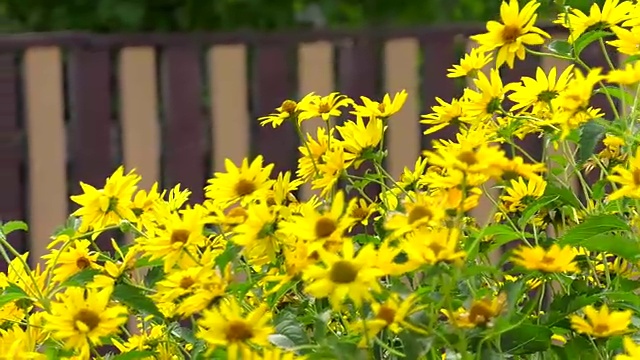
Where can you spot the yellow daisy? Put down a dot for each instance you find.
(358, 137)
(382, 110)
(244, 184)
(257, 235)
(536, 94)
(521, 193)
(285, 112)
(326, 107)
(470, 64)
(613, 13)
(72, 260)
(554, 259)
(628, 40)
(443, 115)
(627, 178)
(601, 323)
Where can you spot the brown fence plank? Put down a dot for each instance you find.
(272, 84)
(11, 151)
(44, 110)
(359, 72)
(184, 131)
(401, 73)
(230, 119)
(315, 74)
(439, 55)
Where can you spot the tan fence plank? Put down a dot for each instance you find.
(46, 145)
(139, 113)
(401, 73)
(315, 74)
(229, 104)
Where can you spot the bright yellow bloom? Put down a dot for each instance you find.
(228, 325)
(359, 137)
(429, 247)
(312, 152)
(332, 166)
(480, 313)
(628, 179)
(360, 210)
(244, 184)
(420, 210)
(486, 100)
(555, 259)
(628, 75)
(285, 112)
(631, 349)
(613, 13)
(103, 207)
(521, 194)
(536, 94)
(344, 276)
(601, 323)
(257, 235)
(471, 160)
(326, 107)
(72, 260)
(80, 317)
(628, 41)
(154, 338)
(443, 115)
(145, 207)
(516, 30)
(471, 63)
(16, 343)
(382, 110)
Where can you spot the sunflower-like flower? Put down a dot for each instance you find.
(244, 184)
(601, 323)
(612, 13)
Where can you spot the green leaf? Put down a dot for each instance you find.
(526, 339)
(591, 134)
(153, 276)
(288, 326)
(592, 226)
(620, 245)
(565, 195)
(12, 293)
(134, 355)
(632, 59)
(365, 239)
(534, 208)
(228, 255)
(281, 341)
(560, 47)
(586, 39)
(135, 299)
(11, 226)
(414, 346)
(616, 92)
(81, 278)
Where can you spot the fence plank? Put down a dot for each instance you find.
(184, 131)
(272, 84)
(359, 72)
(315, 74)
(401, 73)
(11, 152)
(44, 109)
(229, 104)
(139, 113)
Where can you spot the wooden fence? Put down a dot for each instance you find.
(74, 106)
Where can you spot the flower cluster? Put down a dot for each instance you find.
(374, 265)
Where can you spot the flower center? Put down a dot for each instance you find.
(436, 248)
(238, 331)
(88, 318)
(480, 312)
(510, 33)
(289, 106)
(343, 272)
(83, 263)
(418, 213)
(547, 95)
(468, 157)
(245, 187)
(382, 107)
(113, 204)
(548, 260)
(601, 329)
(325, 227)
(387, 314)
(179, 236)
(359, 213)
(186, 282)
(636, 176)
(238, 212)
(324, 107)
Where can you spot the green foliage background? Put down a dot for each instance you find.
(228, 15)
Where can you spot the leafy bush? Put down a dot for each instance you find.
(255, 273)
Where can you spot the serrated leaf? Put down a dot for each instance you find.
(287, 325)
(586, 39)
(592, 226)
(531, 210)
(11, 226)
(565, 195)
(619, 245)
(81, 278)
(560, 47)
(12, 293)
(135, 299)
(592, 133)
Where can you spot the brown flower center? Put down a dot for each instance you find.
(359, 213)
(511, 33)
(289, 106)
(87, 317)
(601, 329)
(179, 236)
(480, 312)
(186, 282)
(238, 212)
(238, 331)
(387, 314)
(244, 187)
(636, 177)
(343, 272)
(419, 212)
(436, 248)
(468, 157)
(324, 107)
(382, 107)
(547, 260)
(83, 263)
(325, 227)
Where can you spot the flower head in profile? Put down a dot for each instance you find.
(283, 113)
(470, 64)
(486, 100)
(612, 13)
(510, 36)
(443, 115)
(359, 137)
(627, 178)
(601, 323)
(481, 312)
(554, 259)
(628, 40)
(628, 75)
(383, 109)
(325, 107)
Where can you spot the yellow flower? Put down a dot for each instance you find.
(312, 152)
(555, 259)
(382, 110)
(531, 283)
(75, 258)
(627, 76)
(391, 258)
(227, 325)
(428, 247)
(360, 211)
(19, 274)
(601, 323)
(257, 235)
(521, 194)
(145, 207)
(332, 166)
(471, 63)
(628, 179)
(245, 183)
(80, 317)
(536, 94)
(613, 12)
(443, 115)
(516, 167)
(628, 41)
(516, 30)
(270, 354)
(631, 349)
(16, 343)
(312, 106)
(484, 102)
(344, 276)
(358, 137)
(579, 89)
(480, 313)
(421, 210)
(480, 160)
(154, 337)
(103, 207)
(285, 112)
